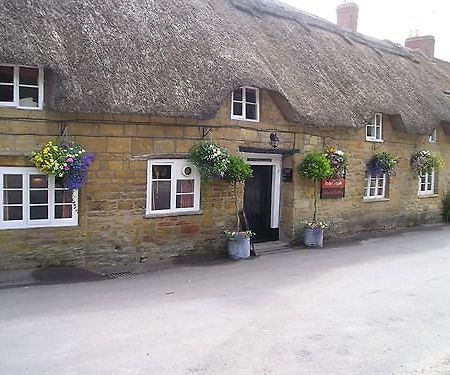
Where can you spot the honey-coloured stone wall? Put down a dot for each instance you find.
(113, 231)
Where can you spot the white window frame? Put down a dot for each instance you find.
(16, 102)
(367, 183)
(243, 117)
(177, 167)
(377, 126)
(26, 222)
(427, 179)
(433, 136)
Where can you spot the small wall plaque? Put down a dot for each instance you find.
(288, 174)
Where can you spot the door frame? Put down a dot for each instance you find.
(273, 160)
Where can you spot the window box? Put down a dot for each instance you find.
(30, 199)
(245, 104)
(173, 186)
(21, 86)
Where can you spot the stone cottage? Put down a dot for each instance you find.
(138, 83)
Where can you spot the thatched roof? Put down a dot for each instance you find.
(183, 58)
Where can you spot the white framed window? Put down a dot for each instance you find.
(30, 199)
(375, 186)
(433, 136)
(374, 130)
(173, 186)
(427, 183)
(21, 86)
(245, 104)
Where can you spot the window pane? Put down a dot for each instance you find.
(161, 172)
(161, 195)
(38, 212)
(378, 133)
(370, 131)
(185, 186)
(237, 94)
(250, 111)
(38, 181)
(63, 211)
(237, 109)
(250, 95)
(38, 196)
(12, 197)
(28, 96)
(29, 76)
(11, 213)
(59, 183)
(6, 93)
(12, 181)
(6, 74)
(185, 201)
(63, 196)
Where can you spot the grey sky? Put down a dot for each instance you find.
(392, 19)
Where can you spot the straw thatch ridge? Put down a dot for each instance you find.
(182, 58)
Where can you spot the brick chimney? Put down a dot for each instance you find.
(423, 43)
(347, 16)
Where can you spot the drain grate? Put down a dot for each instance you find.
(117, 275)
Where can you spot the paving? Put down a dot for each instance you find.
(374, 306)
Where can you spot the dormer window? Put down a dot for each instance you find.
(21, 86)
(374, 130)
(245, 104)
(433, 136)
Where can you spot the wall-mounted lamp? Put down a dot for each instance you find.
(274, 140)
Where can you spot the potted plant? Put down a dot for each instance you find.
(210, 158)
(424, 162)
(238, 171)
(315, 167)
(383, 163)
(68, 161)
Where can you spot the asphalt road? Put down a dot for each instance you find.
(381, 306)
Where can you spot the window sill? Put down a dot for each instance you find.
(243, 119)
(168, 214)
(371, 200)
(425, 196)
(375, 140)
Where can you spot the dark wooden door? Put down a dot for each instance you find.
(258, 202)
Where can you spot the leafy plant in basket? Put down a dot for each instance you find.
(424, 162)
(383, 163)
(210, 158)
(66, 160)
(338, 161)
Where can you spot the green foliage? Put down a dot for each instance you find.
(210, 158)
(315, 166)
(384, 163)
(446, 207)
(238, 170)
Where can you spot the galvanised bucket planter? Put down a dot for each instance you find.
(313, 237)
(239, 248)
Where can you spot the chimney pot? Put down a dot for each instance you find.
(423, 43)
(347, 16)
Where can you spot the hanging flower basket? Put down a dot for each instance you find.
(67, 160)
(424, 162)
(211, 159)
(338, 162)
(383, 163)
